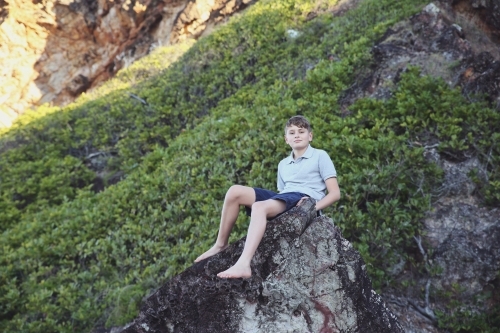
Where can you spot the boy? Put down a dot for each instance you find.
(307, 172)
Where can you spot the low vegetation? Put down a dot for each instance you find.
(179, 133)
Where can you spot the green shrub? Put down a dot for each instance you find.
(72, 259)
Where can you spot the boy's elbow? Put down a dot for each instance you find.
(334, 197)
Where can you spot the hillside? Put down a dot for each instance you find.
(105, 199)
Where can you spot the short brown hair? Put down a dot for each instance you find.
(299, 121)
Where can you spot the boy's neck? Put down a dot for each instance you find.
(298, 153)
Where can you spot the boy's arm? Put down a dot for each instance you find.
(329, 174)
(280, 182)
(333, 194)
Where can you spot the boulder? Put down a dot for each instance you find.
(306, 278)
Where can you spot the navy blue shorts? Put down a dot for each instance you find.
(290, 199)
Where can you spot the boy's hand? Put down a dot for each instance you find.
(301, 201)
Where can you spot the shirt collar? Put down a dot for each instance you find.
(307, 154)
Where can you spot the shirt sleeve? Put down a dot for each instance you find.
(326, 167)
(281, 183)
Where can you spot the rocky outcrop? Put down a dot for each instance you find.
(465, 238)
(54, 50)
(444, 42)
(306, 278)
(460, 246)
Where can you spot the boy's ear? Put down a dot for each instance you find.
(310, 136)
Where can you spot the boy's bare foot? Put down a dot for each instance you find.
(236, 271)
(213, 251)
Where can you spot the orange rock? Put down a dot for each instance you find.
(53, 51)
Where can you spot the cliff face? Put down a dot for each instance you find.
(306, 278)
(52, 51)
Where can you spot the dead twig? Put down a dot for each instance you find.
(427, 311)
(134, 96)
(418, 239)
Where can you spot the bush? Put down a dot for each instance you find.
(72, 259)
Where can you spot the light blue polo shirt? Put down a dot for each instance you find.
(307, 174)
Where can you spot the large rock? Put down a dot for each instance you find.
(52, 51)
(444, 40)
(460, 244)
(306, 278)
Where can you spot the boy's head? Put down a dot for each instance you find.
(299, 121)
(298, 133)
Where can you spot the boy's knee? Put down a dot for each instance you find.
(234, 192)
(256, 206)
(261, 206)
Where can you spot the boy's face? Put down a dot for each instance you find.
(297, 137)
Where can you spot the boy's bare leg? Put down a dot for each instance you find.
(236, 195)
(260, 212)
